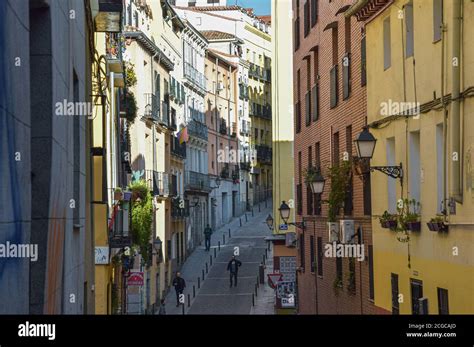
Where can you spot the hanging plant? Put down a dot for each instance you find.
(409, 214)
(310, 174)
(340, 180)
(142, 217)
(128, 105)
(130, 75)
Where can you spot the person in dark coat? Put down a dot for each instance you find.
(233, 268)
(207, 237)
(179, 284)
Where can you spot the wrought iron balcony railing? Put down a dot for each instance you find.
(196, 181)
(158, 182)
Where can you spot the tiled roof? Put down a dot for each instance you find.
(216, 35)
(267, 19)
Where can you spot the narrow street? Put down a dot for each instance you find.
(214, 295)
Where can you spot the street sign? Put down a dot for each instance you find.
(283, 227)
(135, 278)
(101, 255)
(274, 278)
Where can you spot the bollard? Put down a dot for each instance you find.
(229, 234)
(207, 269)
(258, 282)
(240, 221)
(261, 270)
(203, 274)
(189, 300)
(253, 300)
(210, 260)
(199, 282)
(223, 238)
(246, 218)
(219, 245)
(263, 257)
(194, 291)
(256, 292)
(183, 308)
(266, 253)
(214, 252)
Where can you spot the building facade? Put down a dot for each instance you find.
(329, 110)
(418, 118)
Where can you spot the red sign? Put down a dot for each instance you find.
(274, 278)
(135, 279)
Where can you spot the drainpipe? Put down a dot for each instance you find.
(455, 190)
(152, 91)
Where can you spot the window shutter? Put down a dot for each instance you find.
(346, 75)
(333, 86)
(363, 63)
(315, 97)
(308, 108)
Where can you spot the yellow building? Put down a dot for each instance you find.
(418, 51)
(282, 134)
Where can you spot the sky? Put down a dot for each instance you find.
(261, 7)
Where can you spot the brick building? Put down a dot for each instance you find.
(330, 111)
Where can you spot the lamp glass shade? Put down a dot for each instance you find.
(284, 211)
(317, 186)
(365, 144)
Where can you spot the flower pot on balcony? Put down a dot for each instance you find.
(389, 224)
(413, 226)
(437, 226)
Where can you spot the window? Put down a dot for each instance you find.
(443, 305)
(317, 197)
(367, 196)
(387, 59)
(416, 287)
(437, 20)
(347, 34)
(333, 87)
(309, 201)
(311, 252)
(410, 46)
(335, 149)
(371, 272)
(302, 255)
(314, 12)
(391, 183)
(439, 166)
(307, 105)
(363, 63)
(297, 33)
(298, 116)
(299, 198)
(306, 18)
(320, 256)
(299, 167)
(395, 303)
(335, 48)
(414, 174)
(348, 203)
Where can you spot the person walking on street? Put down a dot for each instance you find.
(207, 237)
(233, 267)
(179, 284)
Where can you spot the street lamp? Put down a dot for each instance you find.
(284, 211)
(317, 185)
(269, 222)
(365, 146)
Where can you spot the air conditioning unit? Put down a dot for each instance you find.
(240, 79)
(347, 230)
(333, 232)
(220, 86)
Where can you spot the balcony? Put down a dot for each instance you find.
(233, 128)
(165, 114)
(177, 149)
(262, 111)
(195, 181)
(244, 166)
(152, 107)
(197, 129)
(177, 212)
(225, 171)
(158, 182)
(223, 127)
(113, 53)
(264, 154)
(109, 16)
(195, 78)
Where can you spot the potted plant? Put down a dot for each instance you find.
(409, 215)
(388, 221)
(337, 285)
(118, 194)
(438, 223)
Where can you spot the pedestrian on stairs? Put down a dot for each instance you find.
(233, 268)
